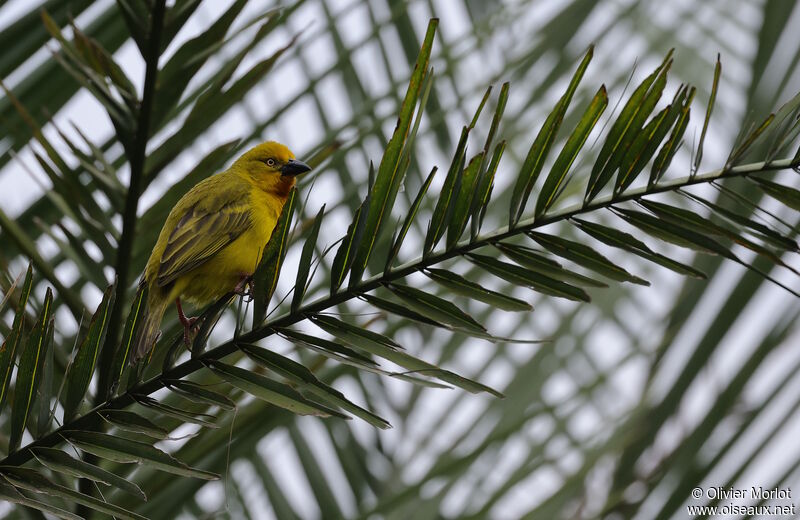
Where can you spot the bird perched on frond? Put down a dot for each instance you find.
(213, 238)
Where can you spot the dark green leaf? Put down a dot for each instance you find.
(670, 232)
(327, 347)
(484, 190)
(437, 308)
(532, 259)
(711, 99)
(215, 102)
(200, 394)
(454, 205)
(10, 494)
(388, 180)
(738, 152)
(98, 59)
(189, 58)
(460, 285)
(35, 88)
(11, 230)
(693, 221)
(75, 249)
(65, 186)
(400, 310)
(265, 279)
(25, 34)
(343, 259)
(270, 391)
(209, 106)
(30, 480)
(175, 18)
(572, 148)
(683, 217)
(541, 145)
(304, 267)
(485, 183)
(104, 176)
(498, 115)
(385, 348)
(122, 356)
(670, 147)
(412, 213)
(628, 124)
(784, 130)
(439, 219)
(419, 381)
(619, 239)
(642, 149)
(132, 422)
(306, 381)
(135, 21)
(80, 373)
(31, 365)
(353, 334)
(463, 201)
(8, 351)
(82, 70)
(785, 194)
(200, 419)
(7, 288)
(477, 115)
(120, 449)
(536, 281)
(61, 462)
(44, 394)
(348, 356)
(408, 146)
(585, 256)
(352, 357)
(443, 212)
(762, 231)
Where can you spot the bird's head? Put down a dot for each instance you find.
(272, 165)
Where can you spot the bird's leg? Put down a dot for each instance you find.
(244, 287)
(188, 323)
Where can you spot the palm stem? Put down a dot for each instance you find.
(136, 156)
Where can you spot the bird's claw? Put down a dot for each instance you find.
(244, 288)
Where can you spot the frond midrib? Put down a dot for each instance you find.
(91, 418)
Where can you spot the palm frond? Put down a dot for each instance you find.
(317, 321)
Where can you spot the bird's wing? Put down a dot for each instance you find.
(202, 232)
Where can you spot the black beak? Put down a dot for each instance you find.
(294, 167)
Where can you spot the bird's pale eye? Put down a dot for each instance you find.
(270, 162)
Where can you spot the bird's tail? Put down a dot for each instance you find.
(150, 329)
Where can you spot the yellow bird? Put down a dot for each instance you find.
(213, 238)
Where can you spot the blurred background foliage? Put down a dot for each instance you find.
(644, 394)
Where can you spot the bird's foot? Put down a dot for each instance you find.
(189, 331)
(244, 287)
(188, 324)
